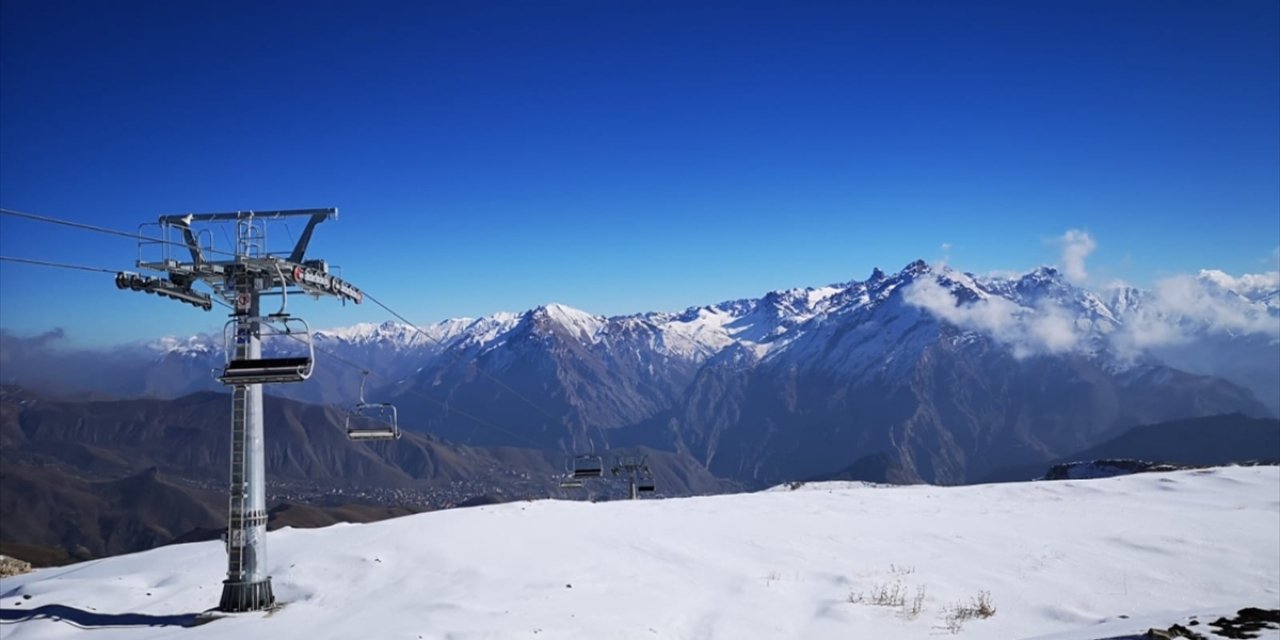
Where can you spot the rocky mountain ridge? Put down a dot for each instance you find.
(948, 373)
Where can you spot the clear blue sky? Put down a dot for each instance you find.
(621, 157)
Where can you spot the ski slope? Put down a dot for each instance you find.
(1071, 560)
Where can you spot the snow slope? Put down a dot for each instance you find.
(1062, 558)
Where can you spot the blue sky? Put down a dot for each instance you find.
(622, 157)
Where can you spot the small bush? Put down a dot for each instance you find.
(917, 604)
(983, 605)
(888, 595)
(901, 570)
(894, 593)
(891, 594)
(979, 606)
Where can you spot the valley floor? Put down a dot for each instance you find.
(1074, 560)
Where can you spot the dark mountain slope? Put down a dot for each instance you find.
(1210, 440)
(964, 407)
(306, 447)
(49, 507)
(85, 479)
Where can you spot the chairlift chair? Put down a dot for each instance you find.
(646, 485)
(242, 371)
(587, 466)
(382, 414)
(570, 483)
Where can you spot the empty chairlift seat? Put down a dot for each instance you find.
(587, 466)
(372, 420)
(294, 362)
(266, 371)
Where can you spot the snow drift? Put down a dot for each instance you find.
(1079, 559)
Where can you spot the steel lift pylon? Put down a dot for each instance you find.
(242, 277)
(635, 470)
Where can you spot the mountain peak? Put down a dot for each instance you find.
(1043, 279)
(580, 323)
(1043, 272)
(909, 273)
(916, 268)
(559, 311)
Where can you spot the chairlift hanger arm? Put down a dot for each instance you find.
(305, 239)
(193, 244)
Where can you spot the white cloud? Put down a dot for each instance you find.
(1053, 329)
(1248, 285)
(1192, 299)
(1076, 246)
(1027, 330)
(1182, 309)
(1178, 310)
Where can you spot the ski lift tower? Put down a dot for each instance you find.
(636, 471)
(241, 276)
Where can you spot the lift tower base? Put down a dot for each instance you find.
(246, 596)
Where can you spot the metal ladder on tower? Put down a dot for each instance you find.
(239, 489)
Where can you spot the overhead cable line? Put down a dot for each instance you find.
(69, 223)
(477, 419)
(358, 367)
(61, 265)
(442, 345)
(393, 312)
(106, 230)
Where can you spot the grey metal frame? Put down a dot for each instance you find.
(249, 271)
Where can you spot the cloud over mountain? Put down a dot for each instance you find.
(1043, 328)
(1185, 308)
(1178, 310)
(1076, 246)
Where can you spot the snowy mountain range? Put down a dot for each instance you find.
(950, 374)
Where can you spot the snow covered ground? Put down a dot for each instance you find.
(1071, 560)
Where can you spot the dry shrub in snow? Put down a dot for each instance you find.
(979, 606)
(892, 594)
